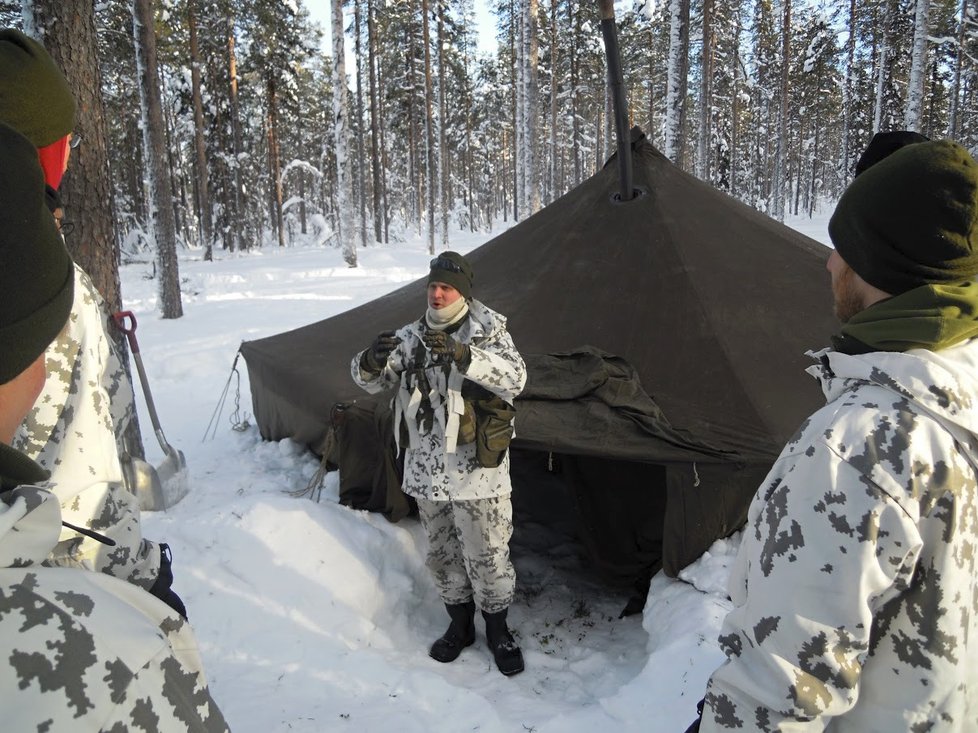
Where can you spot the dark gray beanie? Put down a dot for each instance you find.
(34, 95)
(37, 277)
(911, 219)
(452, 269)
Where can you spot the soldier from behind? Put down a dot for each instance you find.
(75, 429)
(456, 373)
(80, 650)
(855, 589)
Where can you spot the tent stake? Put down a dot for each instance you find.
(615, 80)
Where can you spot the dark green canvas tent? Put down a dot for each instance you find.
(664, 339)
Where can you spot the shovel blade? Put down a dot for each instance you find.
(144, 483)
(174, 477)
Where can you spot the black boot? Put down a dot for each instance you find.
(460, 634)
(504, 648)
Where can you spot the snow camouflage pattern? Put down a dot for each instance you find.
(83, 651)
(454, 525)
(859, 557)
(74, 432)
(430, 401)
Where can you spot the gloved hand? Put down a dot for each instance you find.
(445, 348)
(375, 357)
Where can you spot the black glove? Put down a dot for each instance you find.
(694, 727)
(444, 348)
(162, 588)
(375, 357)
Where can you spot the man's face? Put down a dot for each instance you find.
(441, 294)
(845, 288)
(17, 397)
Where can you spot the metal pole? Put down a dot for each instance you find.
(617, 84)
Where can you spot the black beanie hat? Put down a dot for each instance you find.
(37, 277)
(452, 269)
(885, 144)
(911, 219)
(35, 98)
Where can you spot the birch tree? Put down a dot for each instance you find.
(912, 115)
(675, 123)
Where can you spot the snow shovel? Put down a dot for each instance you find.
(171, 474)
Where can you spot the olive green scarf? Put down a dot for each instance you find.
(931, 317)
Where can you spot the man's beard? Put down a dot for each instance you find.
(847, 300)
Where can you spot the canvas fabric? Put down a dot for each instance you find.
(468, 550)
(855, 590)
(428, 404)
(84, 651)
(74, 432)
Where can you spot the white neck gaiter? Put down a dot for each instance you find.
(438, 319)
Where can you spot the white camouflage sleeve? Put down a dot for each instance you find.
(497, 366)
(824, 548)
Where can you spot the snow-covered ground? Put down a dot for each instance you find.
(315, 617)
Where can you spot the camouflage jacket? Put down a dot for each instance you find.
(82, 651)
(855, 590)
(429, 404)
(72, 432)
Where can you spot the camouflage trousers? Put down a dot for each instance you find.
(468, 550)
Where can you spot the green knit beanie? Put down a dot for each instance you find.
(37, 277)
(911, 219)
(452, 269)
(34, 94)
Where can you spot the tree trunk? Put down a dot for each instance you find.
(443, 159)
(554, 138)
(735, 112)
(912, 116)
(530, 194)
(677, 76)
(203, 195)
(237, 216)
(575, 23)
(781, 146)
(703, 163)
(429, 132)
(154, 144)
(344, 200)
(377, 173)
(952, 116)
(86, 189)
(274, 163)
(361, 189)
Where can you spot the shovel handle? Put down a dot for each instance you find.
(126, 322)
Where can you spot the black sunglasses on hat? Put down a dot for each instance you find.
(443, 263)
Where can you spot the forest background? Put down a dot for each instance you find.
(223, 125)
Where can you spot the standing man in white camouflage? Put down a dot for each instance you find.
(80, 651)
(75, 429)
(855, 590)
(457, 372)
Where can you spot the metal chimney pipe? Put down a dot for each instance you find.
(617, 84)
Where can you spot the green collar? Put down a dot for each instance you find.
(931, 317)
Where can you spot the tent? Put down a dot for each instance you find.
(664, 339)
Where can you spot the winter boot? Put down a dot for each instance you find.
(460, 634)
(504, 648)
